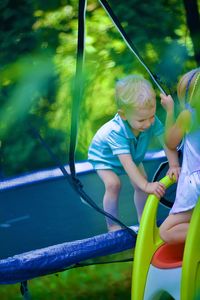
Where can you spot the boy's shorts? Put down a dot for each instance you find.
(100, 166)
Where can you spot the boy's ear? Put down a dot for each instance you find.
(122, 114)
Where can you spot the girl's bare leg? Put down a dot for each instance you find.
(175, 227)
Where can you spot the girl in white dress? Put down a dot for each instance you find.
(187, 127)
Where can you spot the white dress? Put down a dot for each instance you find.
(188, 189)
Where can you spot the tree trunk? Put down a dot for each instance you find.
(193, 22)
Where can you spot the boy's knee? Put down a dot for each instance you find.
(113, 185)
(137, 189)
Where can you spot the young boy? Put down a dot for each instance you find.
(120, 145)
(187, 125)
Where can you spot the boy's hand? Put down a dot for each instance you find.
(174, 171)
(156, 188)
(167, 103)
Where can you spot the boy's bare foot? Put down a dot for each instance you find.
(114, 228)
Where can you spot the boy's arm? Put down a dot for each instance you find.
(132, 171)
(138, 179)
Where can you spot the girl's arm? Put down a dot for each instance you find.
(174, 130)
(174, 167)
(172, 156)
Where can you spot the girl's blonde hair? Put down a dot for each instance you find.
(187, 85)
(134, 92)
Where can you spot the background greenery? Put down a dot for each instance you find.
(38, 60)
(37, 67)
(103, 282)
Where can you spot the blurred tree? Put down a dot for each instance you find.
(158, 30)
(16, 33)
(38, 57)
(193, 22)
(28, 85)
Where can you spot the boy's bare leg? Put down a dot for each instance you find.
(175, 227)
(140, 197)
(110, 201)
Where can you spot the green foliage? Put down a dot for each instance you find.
(16, 33)
(38, 63)
(37, 67)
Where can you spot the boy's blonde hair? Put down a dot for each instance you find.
(134, 92)
(187, 85)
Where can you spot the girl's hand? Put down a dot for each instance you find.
(174, 171)
(156, 188)
(167, 103)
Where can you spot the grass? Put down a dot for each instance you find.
(102, 282)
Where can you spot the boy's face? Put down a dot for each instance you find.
(140, 119)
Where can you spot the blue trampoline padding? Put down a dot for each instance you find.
(52, 259)
(45, 251)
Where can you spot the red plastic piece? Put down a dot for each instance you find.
(168, 256)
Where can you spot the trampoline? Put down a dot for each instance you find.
(46, 226)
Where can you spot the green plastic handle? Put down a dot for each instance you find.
(148, 241)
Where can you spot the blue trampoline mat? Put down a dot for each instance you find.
(45, 226)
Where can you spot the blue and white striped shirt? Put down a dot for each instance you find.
(116, 137)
